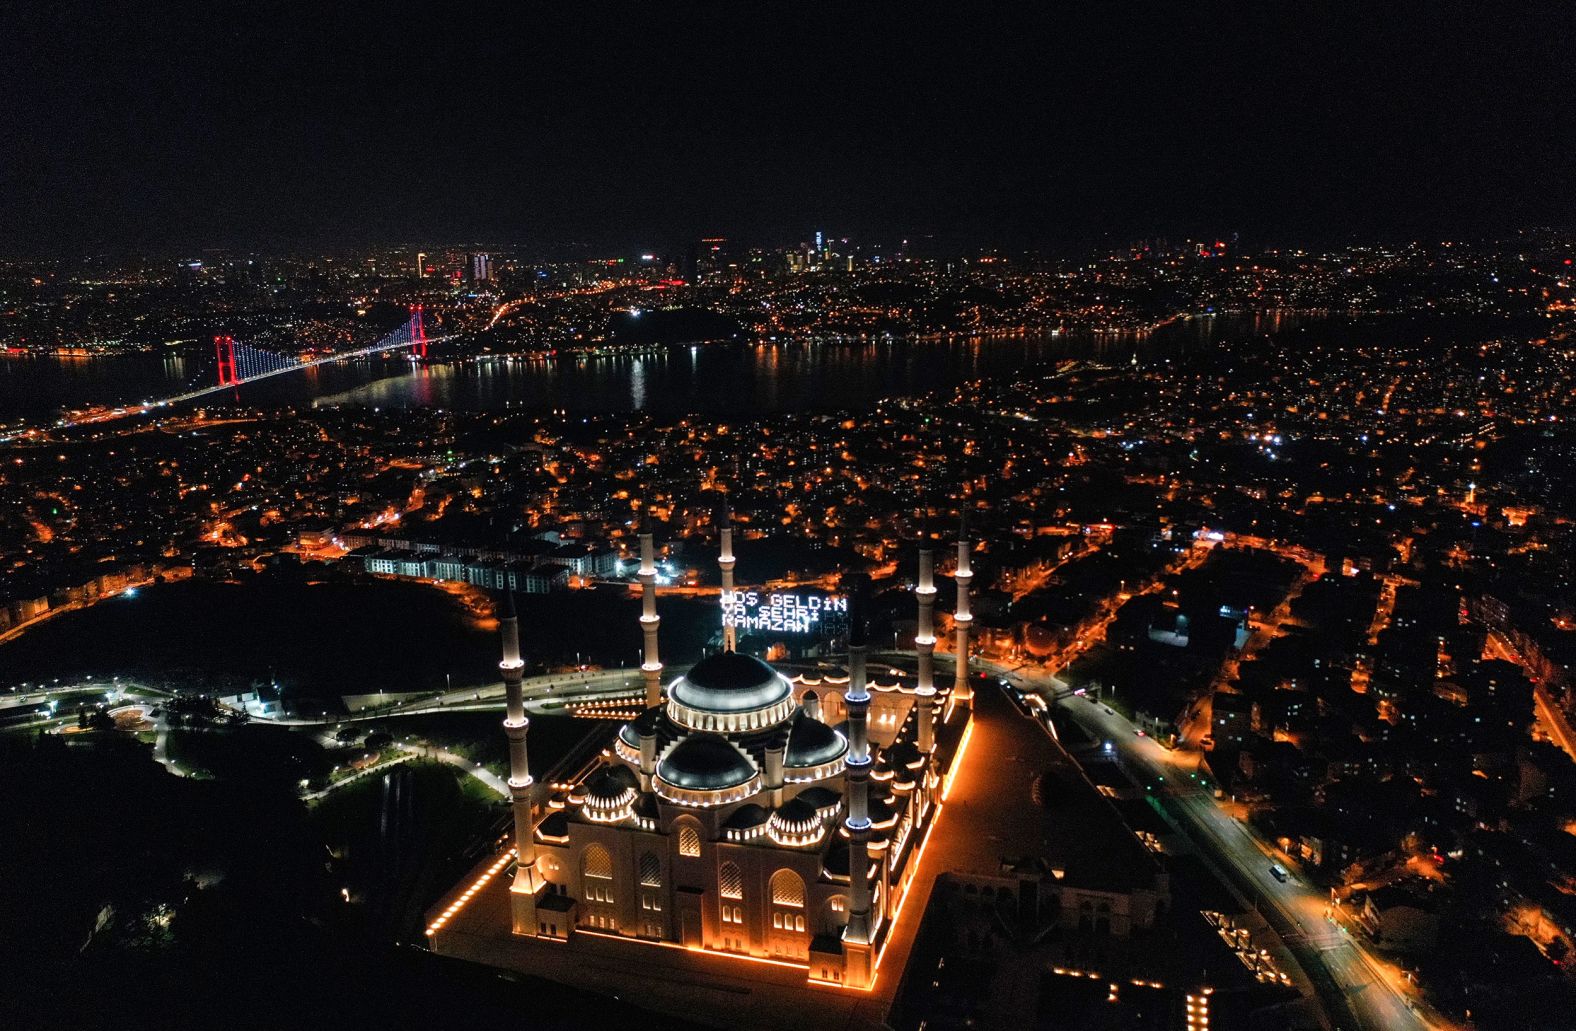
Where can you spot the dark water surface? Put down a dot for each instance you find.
(725, 380)
(718, 379)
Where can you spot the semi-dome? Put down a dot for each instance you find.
(812, 743)
(730, 692)
(747, 816)
(704, 763)
(629, 734)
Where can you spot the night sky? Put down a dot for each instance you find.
(127, 126)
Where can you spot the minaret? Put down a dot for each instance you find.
(961, 692)
(651, 664)
(726, 562)
(526, 879)
(857, 935)
(925, 643)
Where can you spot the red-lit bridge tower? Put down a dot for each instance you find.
(418, 334)
(224, 350)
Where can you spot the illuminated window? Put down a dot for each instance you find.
(597, 866)
(650, 871)
(730, 882)
(597, 863)
(689, 841)
(787, 889)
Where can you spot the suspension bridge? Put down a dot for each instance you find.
(239, 363)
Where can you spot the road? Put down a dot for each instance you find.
(13, 632)
(1349, 978)
(539, 693)
(1549, 713)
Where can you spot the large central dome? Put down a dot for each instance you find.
(730, 692)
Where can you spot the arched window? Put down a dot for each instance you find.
(730, 882)
(834, 912)
(787, 889)
(650, 871)
(597, 863)
(689, 840)
(597, 866)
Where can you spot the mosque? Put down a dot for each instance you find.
(744, 811)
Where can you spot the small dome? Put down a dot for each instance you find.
(610, 784)
(608, 795)
(796, 823)
(812, 743)
(730, 682)
(795, 810)
(705, 762)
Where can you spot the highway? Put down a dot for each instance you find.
(540, 693)
(1358, 989)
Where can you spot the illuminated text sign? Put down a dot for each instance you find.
(785, 613)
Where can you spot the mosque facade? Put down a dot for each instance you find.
(744, 811)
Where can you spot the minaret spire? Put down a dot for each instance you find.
(527, 880)
(859, 932)
(651, 662)
(925, 636)
(962, 619)
(725, 560)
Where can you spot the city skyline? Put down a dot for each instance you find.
(263, 128)
(783, 516)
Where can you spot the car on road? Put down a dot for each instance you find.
(1278, 872)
